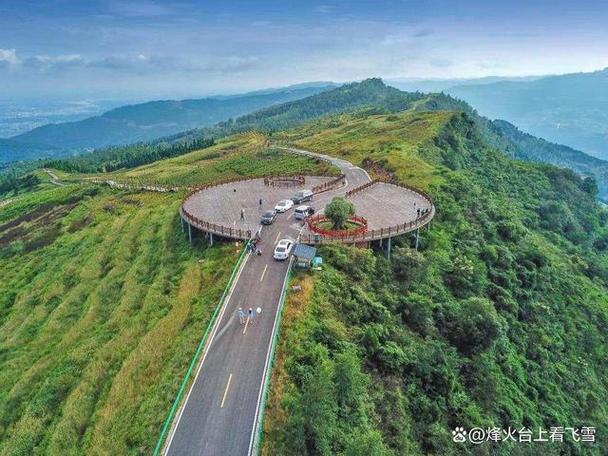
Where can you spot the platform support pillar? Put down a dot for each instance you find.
(417, 237)
(211, 239)
(181, 219)
(388, 248)
(190, 233)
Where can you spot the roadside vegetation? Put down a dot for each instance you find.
(103, 302)
(499, 320)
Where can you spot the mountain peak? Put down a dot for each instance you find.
(373, 82)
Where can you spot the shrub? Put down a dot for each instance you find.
(471, 325)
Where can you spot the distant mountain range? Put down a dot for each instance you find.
(441, 85)
(143, 122)
(276, 109)
(570, 109)
(373, 96)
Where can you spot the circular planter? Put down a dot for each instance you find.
(315, 221)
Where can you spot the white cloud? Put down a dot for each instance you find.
(8, 57)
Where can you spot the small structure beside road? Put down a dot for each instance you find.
(304, 255)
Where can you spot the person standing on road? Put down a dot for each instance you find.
(260, 203)
(250, 315)
(241, 316)
(242, 214)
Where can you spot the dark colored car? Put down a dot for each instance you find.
(268, 217)
(302, 196)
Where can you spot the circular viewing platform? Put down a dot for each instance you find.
(232, 209)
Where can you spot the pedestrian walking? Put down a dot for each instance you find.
(250, 315)
(260, 203)
(241, 316)
(242, 214)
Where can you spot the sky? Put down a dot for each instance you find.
(156, 49)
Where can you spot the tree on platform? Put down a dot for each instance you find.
(338, 212)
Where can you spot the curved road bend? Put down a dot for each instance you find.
(219, 414)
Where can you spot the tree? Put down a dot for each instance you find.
(338, 212)
(472, 325)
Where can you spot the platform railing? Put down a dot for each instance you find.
(372, 235)
(222, 230)
(334, 183)
(284, 181)
(422, 219)
(215, 228)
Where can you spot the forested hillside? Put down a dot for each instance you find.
(142, 122)
(498, 320)
(567, 109)
(530, 148)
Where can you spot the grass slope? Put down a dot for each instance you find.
(243, 155)
(102, 304)
(499, 320)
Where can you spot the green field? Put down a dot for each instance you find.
(103, 302)
(397, 144)
(243, 155)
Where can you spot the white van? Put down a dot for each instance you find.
(302, 196)
(302, 212)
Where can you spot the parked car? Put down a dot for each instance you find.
(302, 196)
(283, 206)
(268, 217)
(283, 249)
(302, 212)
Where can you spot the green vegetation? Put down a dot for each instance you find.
(236, 156)
(338, 211)
(103, 302)
(327, 225)
(530, 148)
(12, 182)
(102, 306)
(130, 156)
(388, 146)
(499, 320)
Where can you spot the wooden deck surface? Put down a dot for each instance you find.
(383, 205)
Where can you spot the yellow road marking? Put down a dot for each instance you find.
(226, 391)
(278, 234)
(263, 272)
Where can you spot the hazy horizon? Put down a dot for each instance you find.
(152, 49)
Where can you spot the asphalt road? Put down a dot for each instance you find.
(219, 414)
